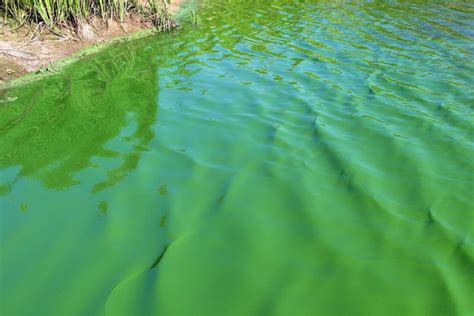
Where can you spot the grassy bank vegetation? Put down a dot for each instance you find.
(59, 14)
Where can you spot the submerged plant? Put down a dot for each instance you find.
(195, 19)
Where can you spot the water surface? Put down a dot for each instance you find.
(283, 158)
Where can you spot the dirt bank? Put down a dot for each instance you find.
(23, 51)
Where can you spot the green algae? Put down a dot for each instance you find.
(182, 16)
(303, 158)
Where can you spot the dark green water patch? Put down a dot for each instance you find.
(283, 158)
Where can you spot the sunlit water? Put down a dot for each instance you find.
(292, 157)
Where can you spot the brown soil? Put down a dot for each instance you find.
(23, 51)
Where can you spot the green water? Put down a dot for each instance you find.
(283, 158)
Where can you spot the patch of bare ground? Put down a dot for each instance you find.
(24, 50)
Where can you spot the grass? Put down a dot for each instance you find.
(60, 14)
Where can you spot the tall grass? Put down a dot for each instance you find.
(57, 13)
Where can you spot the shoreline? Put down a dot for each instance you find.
(24, 58)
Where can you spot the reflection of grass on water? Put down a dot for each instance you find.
(52, 128)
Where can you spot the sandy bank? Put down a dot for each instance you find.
(23, 51)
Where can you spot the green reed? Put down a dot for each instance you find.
(55, 13)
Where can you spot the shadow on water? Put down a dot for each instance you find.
(55, 127)
(66, 142)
